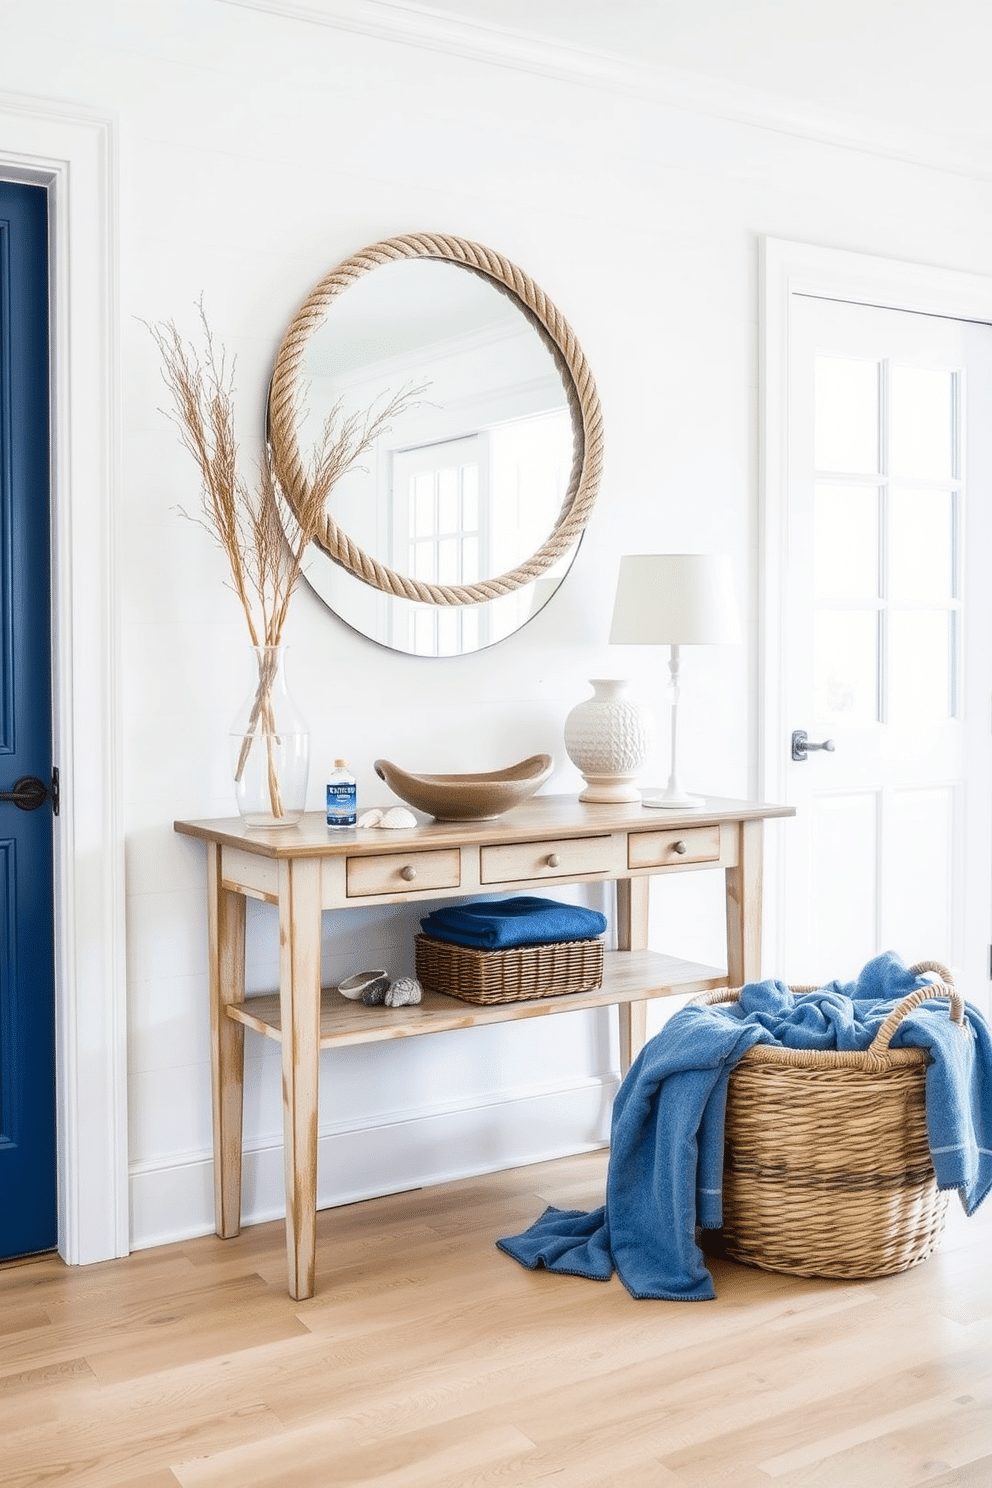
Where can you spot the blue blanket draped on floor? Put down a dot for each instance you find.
(666, 1147)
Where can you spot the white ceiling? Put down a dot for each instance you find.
(909, 77)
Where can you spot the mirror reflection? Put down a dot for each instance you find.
(470, 477)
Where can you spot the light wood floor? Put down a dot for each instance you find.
(428, 1359)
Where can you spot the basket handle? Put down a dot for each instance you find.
(943, 988)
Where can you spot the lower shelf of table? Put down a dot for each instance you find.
(628, 976)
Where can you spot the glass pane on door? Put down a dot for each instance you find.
(921, 422)
(921, 546)
(846, 415)
(845, 559)
(845, 666)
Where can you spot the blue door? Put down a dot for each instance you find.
(28, 1219)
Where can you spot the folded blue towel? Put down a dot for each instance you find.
(665, 1175)
(526, 920)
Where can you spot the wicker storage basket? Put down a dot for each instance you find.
(514, 975)
(827, 1168)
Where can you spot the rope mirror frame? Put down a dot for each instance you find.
(287, 388)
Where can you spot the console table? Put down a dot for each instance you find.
(550, 840)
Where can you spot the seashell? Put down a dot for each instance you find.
(370, 818)
(404, 992)
(398, 816)
(355, 987)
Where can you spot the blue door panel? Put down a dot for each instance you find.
(28, 1216)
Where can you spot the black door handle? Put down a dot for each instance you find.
(29, 793)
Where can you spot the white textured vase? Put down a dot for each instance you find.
(608, 737)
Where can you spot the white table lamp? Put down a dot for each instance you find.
(676, 600)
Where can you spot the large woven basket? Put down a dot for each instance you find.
(827, 1168)
(513, 975)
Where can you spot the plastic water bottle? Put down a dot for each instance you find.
(342, 796)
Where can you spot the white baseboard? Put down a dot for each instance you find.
(173, 1200)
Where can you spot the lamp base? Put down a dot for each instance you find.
(675, 802)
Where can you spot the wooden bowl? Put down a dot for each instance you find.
(468, 797)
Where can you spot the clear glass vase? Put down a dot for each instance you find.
(270, 746)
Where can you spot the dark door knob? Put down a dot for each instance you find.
(29, 793)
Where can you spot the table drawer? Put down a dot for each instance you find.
(510, 861)
(673, 848)
(403, 873)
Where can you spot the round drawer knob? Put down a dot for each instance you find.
(408, 873)
(679, 847)
(553, 860)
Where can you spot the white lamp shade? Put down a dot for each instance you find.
(675, 599)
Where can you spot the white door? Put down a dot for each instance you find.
(886, 641)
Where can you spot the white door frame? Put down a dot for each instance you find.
(787, 268)
(72, 153)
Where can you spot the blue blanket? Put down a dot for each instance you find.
(666, 1156)
(496, 925)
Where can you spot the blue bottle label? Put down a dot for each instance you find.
(342, 803)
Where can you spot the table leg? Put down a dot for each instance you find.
(299, 997)
(226, 913)
(744, 906)
(633, 905)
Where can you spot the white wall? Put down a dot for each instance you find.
(255, 152)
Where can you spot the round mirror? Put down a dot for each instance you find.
(468, 507)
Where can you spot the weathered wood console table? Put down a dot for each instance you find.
(307, 869)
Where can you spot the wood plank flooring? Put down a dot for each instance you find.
(428, 1359)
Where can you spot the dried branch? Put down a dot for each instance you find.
(264, 538)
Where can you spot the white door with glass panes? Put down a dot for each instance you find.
(439, 504)
(888, 624)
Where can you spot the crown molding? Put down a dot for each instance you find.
(433, 29)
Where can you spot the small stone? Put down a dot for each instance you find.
(404, 992)
(374, 994)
